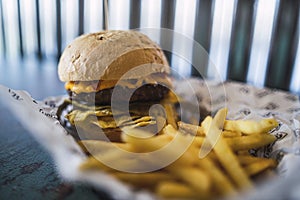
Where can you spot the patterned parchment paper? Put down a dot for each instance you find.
(243, 102)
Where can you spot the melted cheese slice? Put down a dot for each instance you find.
(95, 86)
(89, 86)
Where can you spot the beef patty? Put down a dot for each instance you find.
(145, 93)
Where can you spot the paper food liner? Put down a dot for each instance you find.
(243, 102)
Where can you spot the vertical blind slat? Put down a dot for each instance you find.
(292, 59)
(119, 14)
(3, 30)
(202, 35)
(20, 30)
(93, 11)
(283, 48)
(182, 42)
(104, 16)
(241, 39)
(168, 9)
(135, 14)
(80, 17)
(38, 29)
(11, 28)
(220, 38)
(295, 81)
(260, 47)
(58, 28)
(48, 28)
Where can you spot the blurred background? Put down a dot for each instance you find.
(253, 41)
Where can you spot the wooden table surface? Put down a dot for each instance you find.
(26, 170)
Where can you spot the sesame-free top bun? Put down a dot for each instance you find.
(107, 55)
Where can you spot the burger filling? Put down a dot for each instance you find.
(87, 121)
(152, 88)
(95, 86)
(89, 108)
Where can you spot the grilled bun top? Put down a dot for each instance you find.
(108, 55)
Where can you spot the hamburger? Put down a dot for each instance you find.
(96, 65)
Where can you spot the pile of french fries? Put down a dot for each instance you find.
(215, 163)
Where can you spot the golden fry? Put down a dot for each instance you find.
(172, 189)
(150, 179)
(219, 179)
(165, 143)
(92, 163)
(231, 133)
(258, 167)
(170, 130)
(226, 167)
(144, 142)
(194, 177)
(250, 141)
(128, 162)
(191, 129)
(243, 152)
(171, 116)
(225, 155)
(199, 131)
(250, 126)
(244, 142)
(97, 146)
(248, 159)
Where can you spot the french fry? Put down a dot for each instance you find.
(176, 190)
(248, 159)
(160, 123)
(231, 133)
(250, 126)
(129, 162)
(149, 180)
(243, 152)
(166, 143)
(200, 181)
(170, 130)
(105, 153)
(252, 141)
(226, 168)
(144, 142)
(220, 181)
(92, 163)
(171, 116)
(114, 153)
(221, 148)
(198, 130)
(97, 146)
(191, 129)
(258, 167)
(244, 142)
